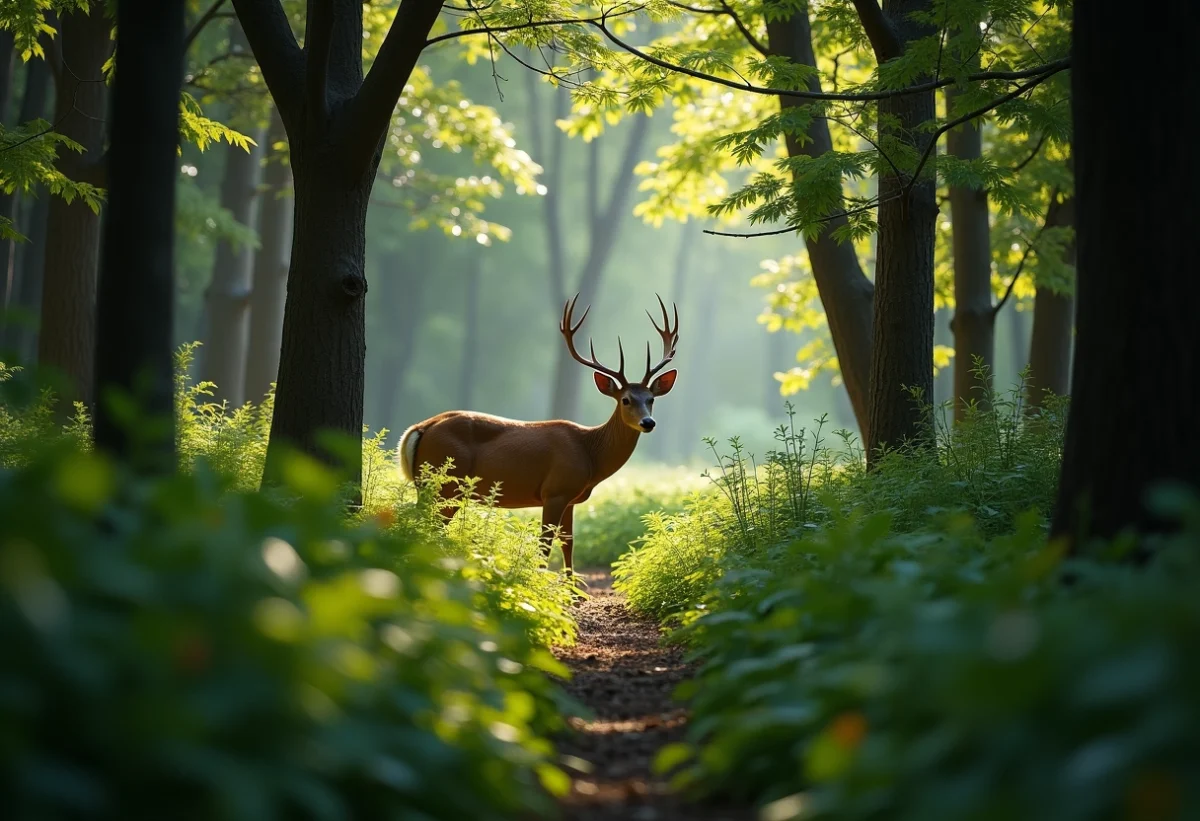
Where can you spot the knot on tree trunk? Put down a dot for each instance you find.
(354, 286)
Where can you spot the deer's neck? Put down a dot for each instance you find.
(611, 445)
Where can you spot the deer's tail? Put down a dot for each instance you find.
(406, 454)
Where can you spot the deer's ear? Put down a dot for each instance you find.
(606, 384)
(664, 383)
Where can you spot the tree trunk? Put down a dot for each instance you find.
(974, 322)
(6, 73)
(470, 355)
(136, 290)
(270, 271)
(1138, 335)
(902, 349)
(846, 292)
(322, 358)
(67, 340)
(19, 321)
(228, 342)
(1053, 321)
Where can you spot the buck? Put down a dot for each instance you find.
(555, 464)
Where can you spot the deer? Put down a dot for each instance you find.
(553, 464)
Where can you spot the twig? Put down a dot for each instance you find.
(203, 21)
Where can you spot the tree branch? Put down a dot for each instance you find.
(318, 37)
(203, 21)
(270, 36)
(370, 110)
(1042, 72)
(884, 42)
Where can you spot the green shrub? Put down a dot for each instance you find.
(874, 674)
(232, 443)
(178, 649)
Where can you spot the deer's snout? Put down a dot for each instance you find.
(648, 424)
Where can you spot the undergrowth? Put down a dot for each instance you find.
(901, 643)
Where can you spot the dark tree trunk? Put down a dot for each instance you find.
(1053, 321)
(22, 295)
(974, 322)
(324, 347)
(136, 290)
(469, 369)
(1138, 334)
(902, 349)
(336, 122)
(6, 73)
(846, 293)
(270, 271)
(67, 339)
(228, 342)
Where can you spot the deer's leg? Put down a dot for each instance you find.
(552, 517)
(567, 536)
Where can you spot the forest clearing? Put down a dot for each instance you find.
(333, 486)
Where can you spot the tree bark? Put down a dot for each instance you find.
(6, 73)
(136, 290)
(336, 120)
(228, 343)
(469, 368)
(902, 349)
(974, 322)
(18, 321)
(1137, 334)
(67, 339)
(846, 292)
(1053, 321)
(269, 290)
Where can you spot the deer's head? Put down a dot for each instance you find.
(635, 400)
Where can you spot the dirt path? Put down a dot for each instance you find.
(622, 673)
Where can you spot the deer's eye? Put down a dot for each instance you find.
(625, 401)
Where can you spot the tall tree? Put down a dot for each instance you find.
(902, 346)
(269, 289)
(66, 340)
(974, 322)
(1053, 320)
(22, 276)
(136, 290)
(229, 292)
(846, 293)
(1136, 315)
(336, 119)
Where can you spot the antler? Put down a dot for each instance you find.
(670, 338)
(568, 331)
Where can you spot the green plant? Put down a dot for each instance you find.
(178, 648)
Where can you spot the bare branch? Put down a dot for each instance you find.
(203, 21)
(279, 56)
(318, 38)
(532, 24)
(884, 42)
(1042, 72)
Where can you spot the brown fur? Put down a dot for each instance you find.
(554, 465)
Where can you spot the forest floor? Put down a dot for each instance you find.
(623, 674)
